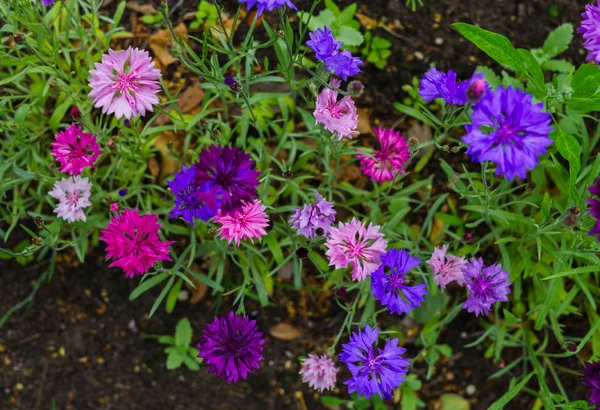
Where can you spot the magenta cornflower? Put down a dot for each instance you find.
(591, 378)
(132, 241)
(354, 244)
(384, 164)
(269, 5)
(308, 219)
(73, 196)
(319, 372)
(336, 116)
(114, 207)
(446, 268)
(231, 347)
(595, 207)
(75, 150)
(374, 371)
(125, 83)
(590, 29)
(249, 222)
(486, 284)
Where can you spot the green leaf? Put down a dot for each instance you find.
(148, 284)
(510, 394)
(349, 36)
(331, 400)
(559, 66)
(174, 360)
(183, 333)
(558, 40)
(533, 68)
(330, 5)
(510, 318)
(173, 295)
(569, 148)
(191, 363)
(274, 247)
(576, 271)
(161, 296)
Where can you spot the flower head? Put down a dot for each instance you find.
(374, 371)
(446, 268)
(248, 222)
(125, 83)
(233, 84)
(132, 241)
(390, 286)
(310, 217)
(486, 284)
(75, 150)
(114, 207)
(437, 84)
(319, 372)
(231, 171)
(269, 5)
(231, 347)
(386, 163)
(191, 200)
(510, 130)
(590, 29)
(340, 116)
(595, 207)
(323, 43)
(73, 196)
(354, 244)
(343, 64)
(476, 90)
(48, 3)
(591, 378)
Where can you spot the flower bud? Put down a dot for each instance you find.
(320, 231)
(476, 90)
(355, 88)
(287, 174)
(18, 37)
(281, 33)
(302, 252)
(233, 84)
(111, 144)
(75, 113)
(122, 192)
(114, 207)
(39, 221)
(413, 142)
(36, 240)
(341, 292)
(52, 84)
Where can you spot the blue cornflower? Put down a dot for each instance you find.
(589, 29)
(122, 192)
(486, 284)
(437, 84)
(323, 43)
(191, 200)
(374, 371)
(269, 5)
(389, 284)
(508, 129)
(343, 64)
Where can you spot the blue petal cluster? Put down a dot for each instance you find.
(437, 84)
(327, 49)
(269, 5)
(193, 201)
(486, 284)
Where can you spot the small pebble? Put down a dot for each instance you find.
(471, 389)
(439, 41)
(419, 55)
(183, 295)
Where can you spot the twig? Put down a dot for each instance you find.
(38, 402)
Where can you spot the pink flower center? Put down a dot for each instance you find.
(336, 110)
(73, 197)
(355, 250)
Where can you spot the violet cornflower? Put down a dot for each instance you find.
(231, 347)
(319, 372)
(308, 219)
(323, 43)
(231, 171)
(327, 49)
(75, 149)
(590, 25)
(357, 245)
(73, 194)
(509, 130)
(247, 222)
(374, 371)
(336, 116)
(125, 83)
(132, 242)
(48, 3)
(343, 64)
(384, 164)
(390, 286)
(437, 84)
(595, 207)
(269, 5)
(591, 378)
(446, 268)
(486, 285)
(192, 201)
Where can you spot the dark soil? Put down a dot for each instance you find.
(81, 342)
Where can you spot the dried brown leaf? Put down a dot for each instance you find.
(159, 40)
(141, 8)
(366, 21)
(285, 331)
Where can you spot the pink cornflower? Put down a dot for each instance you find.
(248, 222)
(125, 83)
(446, 268)
(132, 241)
(75, 149)
(336, 115)
(73, 196)
(319, 372)
(354, 244)
(386, 163)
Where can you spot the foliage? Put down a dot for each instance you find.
(178, 350)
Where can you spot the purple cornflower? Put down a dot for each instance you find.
(323, 43)
(343, 64)
(486, 284)
(437, 84)
(191, 200)
(231, 347)
(231, 171)
(48, 3)
(374, 371)
(509, 130)
(591, 378)
(590, 29)
(269, 5)
(595, 207)
(308, 219)
(389, 284)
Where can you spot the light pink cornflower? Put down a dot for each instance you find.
(247, 222)
(132, 241)
(386, 163)
(354, 244)
(125, 83)
(446, 268)
(75, 149)
(336, 115)
(319, 372)
(73, 196)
